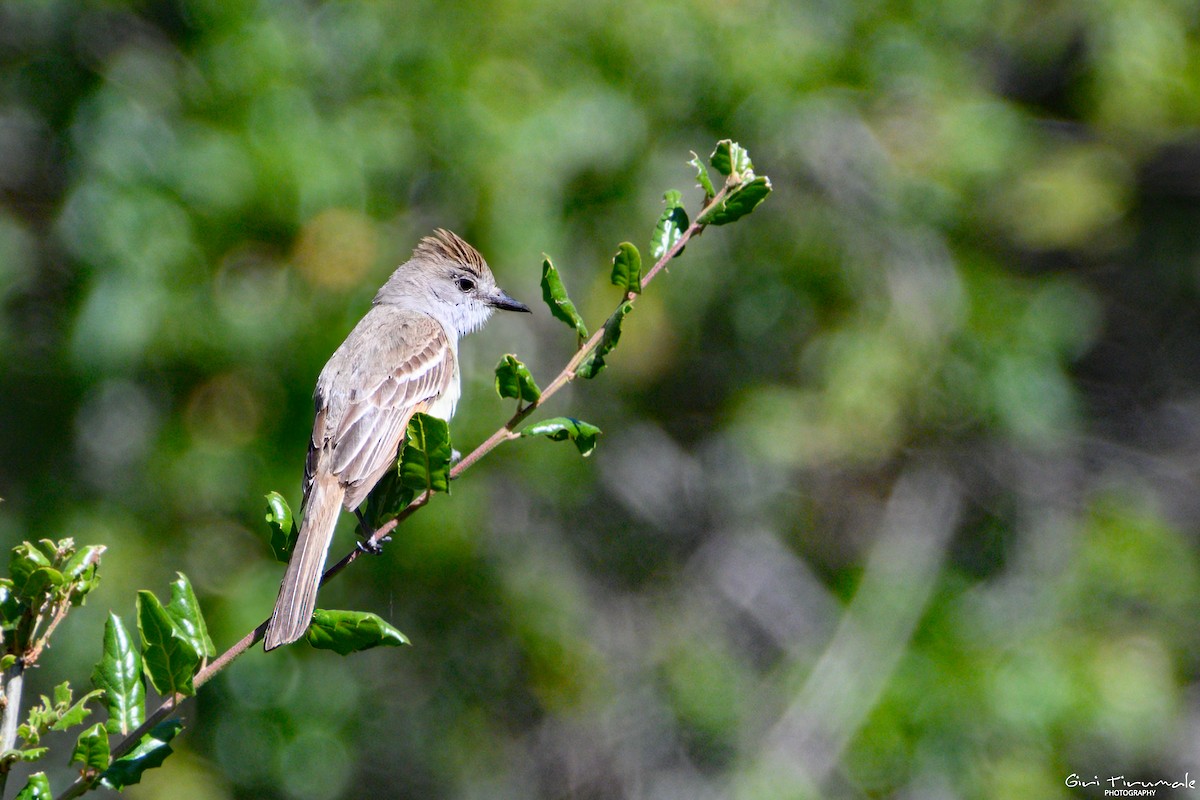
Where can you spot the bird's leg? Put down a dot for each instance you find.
(366, 545)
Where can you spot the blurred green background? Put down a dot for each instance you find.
(897, 496)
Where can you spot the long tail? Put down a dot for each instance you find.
(298, 594)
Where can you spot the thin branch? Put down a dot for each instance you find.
(503, 434)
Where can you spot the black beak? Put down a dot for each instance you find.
(501, 300)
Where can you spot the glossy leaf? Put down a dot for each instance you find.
(184, 609)
(346, 632)
(555, 295)
(702, 177)
(168, 658)
(36, 788)
(81, 571)
(513, 379)
(389, 497)
(11, 607)
(627, 268)
(730, 158)
(592, 365)
(119, 674)
(583, 434)
(425, 462)
(23, 562)
(283, 526)
(671, 225)
(739, 202)
(74, 714)
(91, 748)
(149, 753)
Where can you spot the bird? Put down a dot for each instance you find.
(401, 358)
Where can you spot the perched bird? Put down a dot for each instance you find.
(401, 358)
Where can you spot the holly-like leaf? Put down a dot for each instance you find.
(168, 658)
(555, 295)
(149, 753)
(346, 632)
(23, 562)
(425, 462)
(73, 715)
(36, 788)
(184, 609)
(730, 158)
(702, 178)
(91, 748)
(671, 225)
(81, 572)
(592, 365)
(583, 434)
(627, 268)
(513, 379)
(738, 203)
(119, 674)
(283, 526)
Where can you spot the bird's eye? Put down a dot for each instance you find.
(465, 284)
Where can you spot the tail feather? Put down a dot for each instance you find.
(298, 593)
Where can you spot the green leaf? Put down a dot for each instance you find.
(119, 674)
(346, 632)
(702, 176)
(76, 714)
(671, 225)
(738, 203)
(730, 158)
(36, 788)
(184, 609)
(27, 754)
(592, 365)
(23, 562)
(11, 606)
(513, 379)
(168, 658)
(149, 753)
(81, 571)
(91, 748)
(425, 462)
(389, 497)
(557, 429)
(283, 526)
(7, 661)
(627, 268)
(555, 296)
(51, 550)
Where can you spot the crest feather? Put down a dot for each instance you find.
(449, 246)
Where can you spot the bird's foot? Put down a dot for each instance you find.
(369, 544)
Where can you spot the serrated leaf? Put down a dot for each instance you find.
(150, 752)
(91, 748)
(346, 632)
(702, 177)
(76, 714)
(583, 434)
(592, 365)
(514, 380)
(168, 658)
(283, 526)
(555, 296)
(81, 571)
(627, 268)
(23, 561)
(670, 227)
(36, 788)
(119, 675)
(730, 158)
(26, 754)
(184, 609)
(738, 203)
(425, 461)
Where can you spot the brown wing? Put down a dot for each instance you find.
(393, 364)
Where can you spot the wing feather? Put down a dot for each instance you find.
(394, 364)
